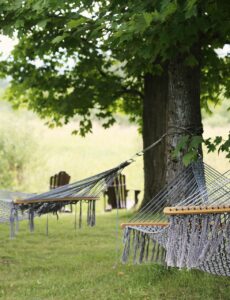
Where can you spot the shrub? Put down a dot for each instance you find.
(18, 152)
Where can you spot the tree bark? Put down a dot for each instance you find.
(171, 102)
(183, 109)
(154, 126)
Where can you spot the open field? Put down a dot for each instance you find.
(56, 149)
(84, 265)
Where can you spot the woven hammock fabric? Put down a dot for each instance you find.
(38, 204)
(6, 205)
(90, 187)
(200, 241)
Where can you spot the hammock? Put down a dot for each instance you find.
(15, 207)
(187, 223)
(18, 206)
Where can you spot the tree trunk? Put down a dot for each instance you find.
(154, 126)
(171, 102)
(183, 109)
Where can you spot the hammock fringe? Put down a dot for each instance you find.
(197, 223)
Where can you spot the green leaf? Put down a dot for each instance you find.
(76, 22)
(191, 61)
(181, 145)
(75, 132)
(58, 39)
(195, 142)
(19, 24)
(218, 140)
(43, 23)
(148, 18)
(191, 9)
(168, 9)
(139, 23)
(189, 157)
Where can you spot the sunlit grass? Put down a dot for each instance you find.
(85, 264)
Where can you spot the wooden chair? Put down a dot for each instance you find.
(60, 179)
(116, 194)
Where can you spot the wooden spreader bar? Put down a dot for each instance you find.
(193, 210)
(123, 225)
(48, 200)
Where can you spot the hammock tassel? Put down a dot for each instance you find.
(12, 223)
(227, 236)
(80, 215)
(31, 219)
(142, 247)
(135, 245)
(194, 239)
(153, 250)
(93, 223)
(187, 223)
(126, 242)
(16, 221)
(147, 248)
(75, 216)
(47, 224)
(89, 213)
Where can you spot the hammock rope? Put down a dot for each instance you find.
(55, 199)
(15, 206)
(188, 223)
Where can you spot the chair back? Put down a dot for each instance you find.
(117, 192)
(60, 179)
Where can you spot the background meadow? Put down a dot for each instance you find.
(36, 152)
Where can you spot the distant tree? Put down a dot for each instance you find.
(154, 60)
(18, 154)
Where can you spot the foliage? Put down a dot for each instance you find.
(18, 153)
(84, 265)
(191, 145)
(75, 57)
(218, 144)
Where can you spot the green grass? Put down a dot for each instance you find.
(85, 265)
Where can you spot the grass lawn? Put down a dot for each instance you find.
(84, 264)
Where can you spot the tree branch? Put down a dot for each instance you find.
(124, 90)
(131, 91)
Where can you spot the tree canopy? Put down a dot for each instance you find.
(89, 57)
